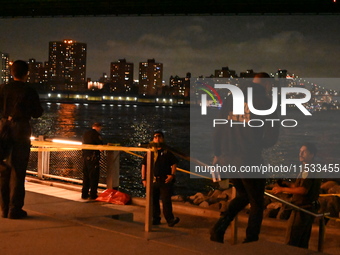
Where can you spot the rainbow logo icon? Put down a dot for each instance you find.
(213, 94)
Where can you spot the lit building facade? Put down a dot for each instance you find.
(179, 86)
(4, 68)
(150, 78)
(67, 65)
(37, 72)
(121, 76)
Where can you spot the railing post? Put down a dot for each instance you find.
(321, 234)
(112, 178)
(234, 223)
(322, 227)
(149, 181)
(43, 161)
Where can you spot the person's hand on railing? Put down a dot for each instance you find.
(277, 190)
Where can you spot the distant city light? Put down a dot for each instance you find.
(95, 85)
(68, 41)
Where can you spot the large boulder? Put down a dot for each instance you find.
(214, 193)
(284, 213)
(215, 207)
(204, 204)
(327, 185)
(334, 189)
(178, 198)
(330, 204)
(198, 198)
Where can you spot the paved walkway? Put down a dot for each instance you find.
(60, 222)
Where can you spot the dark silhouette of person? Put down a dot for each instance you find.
(238, 146)
(305, 191)
(91, 166)
(18, 104)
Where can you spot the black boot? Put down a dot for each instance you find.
(218, 230)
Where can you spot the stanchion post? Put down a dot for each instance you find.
(112, 178)
(40, 160)
(321, 234)
(149, 181)
(233, 225)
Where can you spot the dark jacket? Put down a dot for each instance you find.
(20, 102)
(92, 137)
(162, 166)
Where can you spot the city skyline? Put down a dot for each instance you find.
(307, 45)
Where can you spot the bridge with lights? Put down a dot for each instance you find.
(323, 98)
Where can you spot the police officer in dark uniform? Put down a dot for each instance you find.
(164, 176)
(91, 166)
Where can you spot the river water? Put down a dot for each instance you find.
(131, 125)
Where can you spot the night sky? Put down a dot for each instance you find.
(306, 45)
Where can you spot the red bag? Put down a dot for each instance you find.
(114, 197)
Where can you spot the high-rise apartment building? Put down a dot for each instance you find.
(36, 72)
(67, 65)
(4, 68)
(179, 86)
(150, 78)
(121, 76)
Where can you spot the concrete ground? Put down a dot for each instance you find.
(59, 222)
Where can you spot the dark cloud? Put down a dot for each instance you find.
(306, 45)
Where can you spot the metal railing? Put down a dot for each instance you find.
(44, 149)
(321, 217)
(111, 166)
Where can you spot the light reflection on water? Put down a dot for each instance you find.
(130, 126)
(127, 126)
(322, 128)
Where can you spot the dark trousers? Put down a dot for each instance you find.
(12, 179)
(299, 229)
(91, 171)
(163, 191)
(248, 191)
